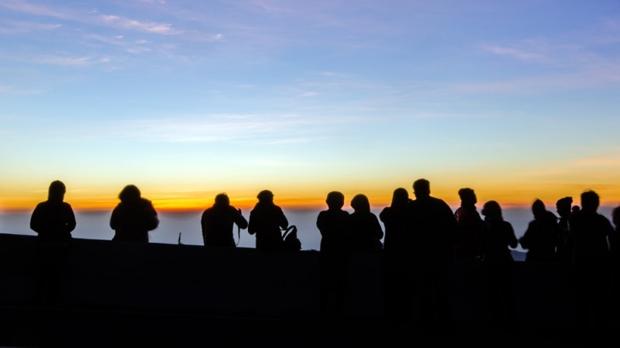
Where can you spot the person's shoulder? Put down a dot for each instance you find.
(66, 206)
(551, 216)
(147, 203)
(439, 202)
(603, 219)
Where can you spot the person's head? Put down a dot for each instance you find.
(265, 196)
(400, 197)
(492, 211)
(422, 188)
(222, 200)
(360, 203)
(335, 200)
(130, 193)
(616, 217)
(468, 196)
(563, 206)
(538, 209)
(590, 202)
(56, 191)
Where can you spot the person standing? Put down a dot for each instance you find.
(333, 224)
(53, 220)
(498, 238)
(133, 217)
(365, 230)
(266, 222)
(541, 237)
(591, 231)
(217, 223)
(433, 226)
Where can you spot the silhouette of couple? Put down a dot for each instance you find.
(133, 217)
(266, 222)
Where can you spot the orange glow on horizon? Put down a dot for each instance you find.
(521, 197)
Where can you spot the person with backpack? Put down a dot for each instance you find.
(266, 222)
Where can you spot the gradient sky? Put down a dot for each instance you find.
(190, 98)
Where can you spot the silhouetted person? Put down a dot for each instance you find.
(396, 221)
(364, 227)
(591, 231)
(133, 217)
(432, 226)
(498, 237)
(333, 224)
(266, 221)
(614, 244)
(53, 220)
(217, 223)
(614, 240)
(541, 237)
(397, 250)
(565, 245)
(470, 227)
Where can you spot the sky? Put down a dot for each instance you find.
(185, 99)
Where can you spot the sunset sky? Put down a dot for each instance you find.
(189, 98)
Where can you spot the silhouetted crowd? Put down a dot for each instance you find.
(424, 238)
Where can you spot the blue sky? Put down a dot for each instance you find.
(188, 98)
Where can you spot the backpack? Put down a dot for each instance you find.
(290, 241)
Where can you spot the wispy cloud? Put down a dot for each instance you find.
(20, 27)
(71, 61)
(264, 129)
(515, 53)
(132, 24)
(578, 61)
(309, 94)
(34, 9)
(91, 18)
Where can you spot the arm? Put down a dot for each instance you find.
(240, 220)
(252, 223)
(512, 239)
(70, 226)
(152, 220)
(114, 220)
(609, 232)
(384, 215)
(283, 221)
(377, 228)
(525, 240)
(320, 223)
(35, 220)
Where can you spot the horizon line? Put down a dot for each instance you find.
(292, 207)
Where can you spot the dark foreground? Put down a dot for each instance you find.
(99, 293)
